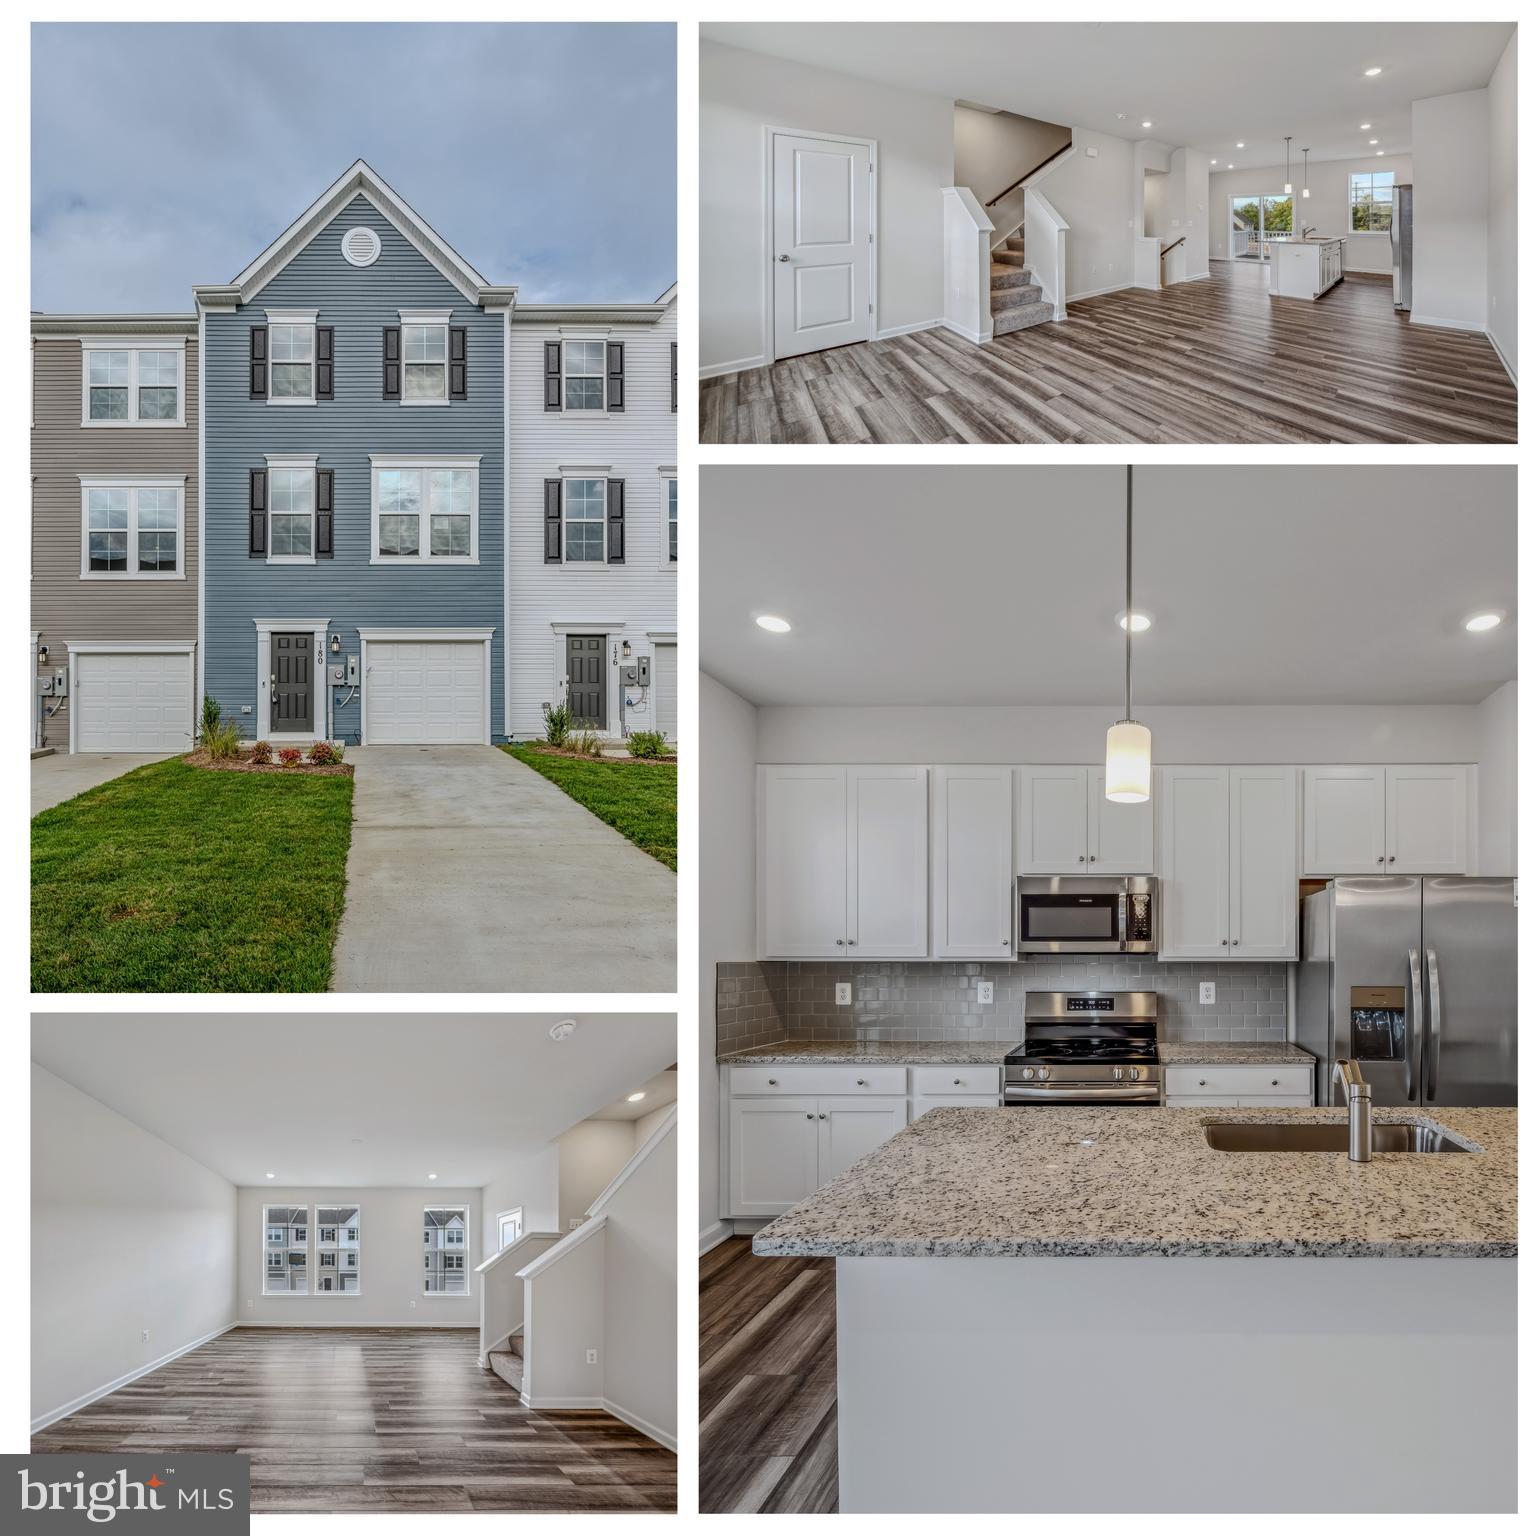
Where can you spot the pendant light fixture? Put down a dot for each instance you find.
(1287, 165)
(1306, 191)
(1128, 751)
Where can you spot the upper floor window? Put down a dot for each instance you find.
(585, 363)
(672, 518)
(1370, 201)
(131, 528)
(291, 511)
(584, 373)
(291, 339)
(132, 383)
(586, 512)
(426, 510)
(426, 359)
(584, 519)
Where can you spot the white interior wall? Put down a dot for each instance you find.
(1327, 208)
(1196, 186)
(533, 1183)
(389, 1261)
(993, 149)
(1093, 193)
(1450, 210)
(1498, 781)
(1503, 200)
(728, 755)
(128, 1234)
(741, 93)
(591, 1153)
(647, 1123)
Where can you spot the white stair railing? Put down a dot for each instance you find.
(501, 1290)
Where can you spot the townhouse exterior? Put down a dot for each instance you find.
(115, 557)
(414, 513)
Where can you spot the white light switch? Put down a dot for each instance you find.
(1207, 991)
(591, 1357)
(144, 1337)
(983, 991)
(844, 992)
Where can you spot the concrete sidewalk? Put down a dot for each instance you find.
(472, 873)
(64, 775)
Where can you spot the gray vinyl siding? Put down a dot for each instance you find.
(64, 606)
(346, 590)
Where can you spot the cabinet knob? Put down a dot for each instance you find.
(1393, 859)
(1202, 1082)
(1223, 941)
(1081, 859)
(841, 942)
(1274, 1082)
(957, 1082)
(1234, 943)
(852, 943)
(773, 1082)
(821, 1117)
(1093, 858)
(1380, 859)
(861, 1082)
(809, 1115)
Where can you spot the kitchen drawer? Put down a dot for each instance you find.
(1246, 1082)
(921, 1106)
(952, 1081)
(1277, 1101)
(847, 1081)
(1203, 1101)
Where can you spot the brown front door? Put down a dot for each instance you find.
(293, 694)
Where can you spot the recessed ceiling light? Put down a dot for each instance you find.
(1365, 127)
(1380, 152)
(431, 1175)
(773, 624)
(1213, 162)
(634, 1098)
(1375, 141)
(273, 1175)
(1147, 124)
(1229, 165)
(563, 1030)
(1241, 145)
(1481, 621)
(1140, 622)
(1375, 69)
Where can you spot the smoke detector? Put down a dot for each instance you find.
(563, 1030)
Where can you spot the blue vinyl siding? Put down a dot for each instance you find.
(358, 302)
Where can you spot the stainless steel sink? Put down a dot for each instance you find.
(1271, 1136)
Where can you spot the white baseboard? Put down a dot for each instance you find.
(1093, 293)
(538, 1404)
(96, 1395)
(713, 1235)
(741, 365)
(466, 1327)
(646, 1428)
(965, 331)
(907, 330)
(1415, 318)
(1499, 353)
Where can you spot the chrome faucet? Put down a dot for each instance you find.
(1358, 1092)
(1308, 230)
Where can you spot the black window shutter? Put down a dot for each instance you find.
(324, 516)
(391, 362)
(258, 362)
(551, 375)
(552, 521)
(674, 375)
(615, 522)
(325, 362)
(258, 538)
(458, 362)
(615, 375)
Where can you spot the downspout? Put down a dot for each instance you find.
(202, 521)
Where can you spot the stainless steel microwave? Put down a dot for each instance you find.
(1087, 915)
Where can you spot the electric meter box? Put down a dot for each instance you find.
(643, 668)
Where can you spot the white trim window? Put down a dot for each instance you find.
(585, 368)
(131, 529)
(424, 356)
(426, 511)
(290, 509)
(286, 1245)
(584, 513)
(669, 516)
(291, 350)
(337, 1228)
(1370, 202)
(445, 1273)
(509, 1227)
(133, 381)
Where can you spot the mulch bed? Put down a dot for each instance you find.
(243, 764)
(586, 757)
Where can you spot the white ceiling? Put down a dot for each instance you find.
(1204, 84)
(659, 1091)
(361, 1100)
(1001, 584)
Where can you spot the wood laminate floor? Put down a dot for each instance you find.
(1215, 361)
(374, 1421)
(767, 1383)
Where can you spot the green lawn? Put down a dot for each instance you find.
(179, 879)
(636, 798)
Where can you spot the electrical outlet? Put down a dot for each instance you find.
(250, 1306)
(983, 991)
(591, 1357)
(144, 1337)
(413, 1306)
(844, 993)
(1207, 992)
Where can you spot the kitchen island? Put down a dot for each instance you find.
(1070, 1310)
(1305, 269)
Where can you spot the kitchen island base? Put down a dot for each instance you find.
(1181, 1384)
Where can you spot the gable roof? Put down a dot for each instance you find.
(359, 179)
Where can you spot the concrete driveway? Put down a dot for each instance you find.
(67, 774)
(471, 873)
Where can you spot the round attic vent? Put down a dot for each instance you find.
(360, 246)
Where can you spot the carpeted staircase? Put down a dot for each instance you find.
(1016, 301)
(508, 1362)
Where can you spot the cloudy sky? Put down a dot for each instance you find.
(165, 155)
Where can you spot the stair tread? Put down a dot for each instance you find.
(1011, 298)
(1021, 317)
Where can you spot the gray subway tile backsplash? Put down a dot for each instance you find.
(758, 1002)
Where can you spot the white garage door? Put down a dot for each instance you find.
(666, 690)
(429, 692)
(138, 701)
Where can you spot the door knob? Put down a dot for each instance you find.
(783, 258)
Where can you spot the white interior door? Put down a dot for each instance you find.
(821, 244)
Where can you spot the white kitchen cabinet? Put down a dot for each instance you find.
(848, 1129)
(843, 862)
(973, 863)
(1250, 1082)
(774, 1147)
(1227, 863)
(1373, 820)
(1063, 825)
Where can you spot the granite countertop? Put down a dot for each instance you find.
(1086, 1182)
(990, 1053)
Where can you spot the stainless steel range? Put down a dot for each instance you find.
(1085, 1048)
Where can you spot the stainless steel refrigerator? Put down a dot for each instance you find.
(1402, 246)
(1415, 979)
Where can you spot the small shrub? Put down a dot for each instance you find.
(647, 744)
(557, 724)
(586, 743)
(221, 740)
(288, 756)
(211, 713)
(262, 752)
(324, 754)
